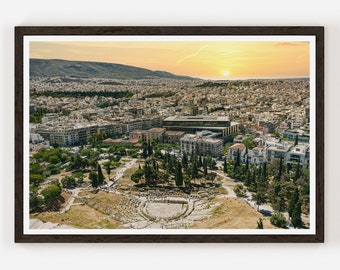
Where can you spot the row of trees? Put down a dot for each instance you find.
(77, 94)
(161, 169)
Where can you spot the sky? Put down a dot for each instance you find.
(207, 60)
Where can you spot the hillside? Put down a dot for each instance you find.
(82, 69)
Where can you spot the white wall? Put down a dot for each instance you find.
(175, 12)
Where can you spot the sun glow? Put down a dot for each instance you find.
(226, 73)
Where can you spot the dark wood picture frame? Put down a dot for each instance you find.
(22, 31)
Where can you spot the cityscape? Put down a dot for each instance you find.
(116, 146)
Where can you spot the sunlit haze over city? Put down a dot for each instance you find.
(206, 60)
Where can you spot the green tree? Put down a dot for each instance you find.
(205, 167)
(149, 149)
(278, 220)
(108, 168)
(76, 163)
(260, 224)
(265, 172)
(297, 173)
(194, 170)
(93, 176)
(79, 176)
(187, 181)
(147, 174)
(185, 161)
(179, 175)
(278, 203)
(199, 162)
(54, 159)
(145, 153)
(37, 116)
(294, 199)
(239, 190)
(260, 198)
(53, 169)
(137, 175)
(247, 164)
(253, 185)
(68, 182)
(35, 168)
(100, 175)
(238, 161)
(164, 177)
(36, 203)
(225, 167)
(296, 216)
(36, 179)
(262, 179)
(249, 143)
(52, 197)
(280, 171)
(211, 163)
(248, 178)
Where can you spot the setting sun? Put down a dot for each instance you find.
(226, 73)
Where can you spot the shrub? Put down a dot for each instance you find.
(278, 220)
(239, 190)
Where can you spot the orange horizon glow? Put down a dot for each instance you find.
(207, 60)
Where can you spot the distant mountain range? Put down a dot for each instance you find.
(84, 69)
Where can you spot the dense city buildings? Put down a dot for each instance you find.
(272, 114)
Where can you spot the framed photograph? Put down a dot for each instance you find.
(169, 134)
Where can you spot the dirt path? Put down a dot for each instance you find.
(120, 172)
(228, 183)
(70, 201)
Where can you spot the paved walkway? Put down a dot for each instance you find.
(70, 200)
(120, 172)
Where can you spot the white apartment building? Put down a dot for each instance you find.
(193, 143)
(299, 154)
(257, 155)
(235, 149)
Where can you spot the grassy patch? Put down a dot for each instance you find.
(221, 191)
(98, 212)
(217, 211)
(233, 213)
(82, 217)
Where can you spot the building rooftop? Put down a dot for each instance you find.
(258, 148)
(278, 147)
(200, 138)
(238, 146)
(174, 132)
(300, 148)
(196, 118)
(156, 130)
